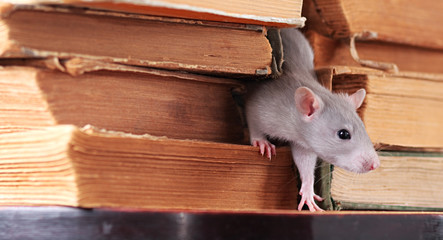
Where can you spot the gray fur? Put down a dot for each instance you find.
(271, 111)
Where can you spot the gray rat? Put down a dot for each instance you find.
(296, 109)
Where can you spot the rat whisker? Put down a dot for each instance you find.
(298, 110)
(323, 177)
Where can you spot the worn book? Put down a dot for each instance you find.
(260, 12)
(332, 52)
(404, 181)
(117, 97)
(410, 22)
(36, 31)
(401, 110)
(90, 168)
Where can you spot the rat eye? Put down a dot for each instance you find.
(344, 134)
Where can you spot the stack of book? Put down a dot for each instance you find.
(134, 104)
(131, 104)
(395, 51)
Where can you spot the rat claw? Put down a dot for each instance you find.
(262, 149)
(265, 147)
(318, 198)
(274, 152)
(315, 207)
(301, 204)
(309, 201)
(318, 208)
(268, 151)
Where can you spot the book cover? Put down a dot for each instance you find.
(269, 13)
(410, 22)
(118, 97)
(335, 52)
(36, 31)
(88, 167)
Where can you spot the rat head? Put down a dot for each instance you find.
(334, 131)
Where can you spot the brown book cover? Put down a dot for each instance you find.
(261, 12)
(87, 167)
(158, 42)
(122, 98)
(411, 22)
(333, 52)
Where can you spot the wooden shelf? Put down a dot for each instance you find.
(72, 223)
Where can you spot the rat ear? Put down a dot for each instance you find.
(357, 98)
(307, 102)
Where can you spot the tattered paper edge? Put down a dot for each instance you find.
(368, 35)
(325, 176)
(338, 69)
(265, 20)
(274, 38)
(220, 70)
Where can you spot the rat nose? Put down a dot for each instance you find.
(375, 165)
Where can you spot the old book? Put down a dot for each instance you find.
(122, 98)
(87, 167)
(404, 181)
(400, 110)
(261, 12)
(158, 42)
(411, 22)
(332, 52)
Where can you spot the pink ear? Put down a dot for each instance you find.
(307, 102)
(357, 98)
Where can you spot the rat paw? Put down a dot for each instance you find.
(265, 147)
(308, 199)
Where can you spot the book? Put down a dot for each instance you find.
(404, 181)
(118, 97)
(414, 22)
(36, 31)
(333, 52)
(88, 167)
(260, 12)
(401, 110)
